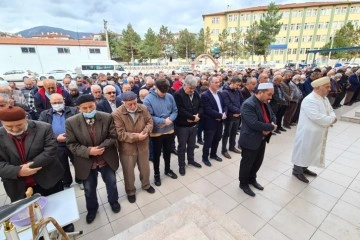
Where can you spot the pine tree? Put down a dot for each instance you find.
(261, 35)
(150, 46)
(129, 44)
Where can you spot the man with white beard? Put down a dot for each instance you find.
(316, 116)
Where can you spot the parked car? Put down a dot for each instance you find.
(352, 64)
(17, 75)
(59, 74)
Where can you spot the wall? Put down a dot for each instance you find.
(46, 57)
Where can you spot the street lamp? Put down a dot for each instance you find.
(192, 55)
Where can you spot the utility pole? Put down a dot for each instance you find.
(331, 46)
(107, 39)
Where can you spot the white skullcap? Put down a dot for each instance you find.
(319, 82)
(264, 86)
(73, 85)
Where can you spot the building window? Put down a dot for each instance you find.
(302, 50)
(299, 14)
(311, 26)
(290, 39)
(28, 50)
(334, 25)
(322, 12)
(323, 38)
(215, 32)
(231, 29)
(289, 51)
(314, 12)
(308, 13)
(235, 17)
(325, 25)
(230, 17)
(298, 26)
(294, 51)
(356, 23)
(215, 20)
(286, 14)
(63, 50)
(242, 17)
(284, 27)
(310, 38)
(247, 17)
(317, 38)
(328, 11)
(292, 26)
(94, 50)
(303, 39)
(296, 39)
(343, 10)
(357, 10)
(337, 10)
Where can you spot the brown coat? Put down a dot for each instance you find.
(127, 129)
(78, 141)
(287, 91)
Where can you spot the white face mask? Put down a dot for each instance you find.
(19, 133)
(58, 107)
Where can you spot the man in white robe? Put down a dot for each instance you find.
(316, 116)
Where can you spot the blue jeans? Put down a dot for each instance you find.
(90, 184)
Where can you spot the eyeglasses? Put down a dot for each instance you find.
(111, 93)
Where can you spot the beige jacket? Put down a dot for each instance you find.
(127, 130)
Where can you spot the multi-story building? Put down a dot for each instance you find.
(304, 26)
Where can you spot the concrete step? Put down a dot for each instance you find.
(194, 209)
(189, 231)
(192, 214)
(351, 116)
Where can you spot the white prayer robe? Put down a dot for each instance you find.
(316, 116)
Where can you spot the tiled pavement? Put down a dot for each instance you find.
(326, 208)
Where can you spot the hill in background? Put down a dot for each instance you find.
(45, 29)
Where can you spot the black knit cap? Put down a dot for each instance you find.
(85, 98)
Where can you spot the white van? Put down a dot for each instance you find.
(105, 66)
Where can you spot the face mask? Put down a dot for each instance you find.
(103, 84)
(90, 114)
(47, 94)
(19, 133)
(58, 107)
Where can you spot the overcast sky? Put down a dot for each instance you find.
(88, 15)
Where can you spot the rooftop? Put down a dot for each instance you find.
(284, 6)
(39, 41)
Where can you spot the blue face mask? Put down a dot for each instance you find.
(90, 114)
(48, 95)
